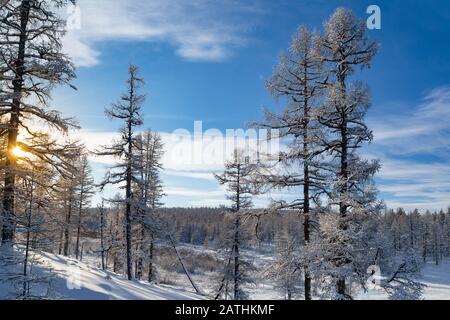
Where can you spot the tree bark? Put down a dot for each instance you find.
(13, 131)
(306, 222)
(67, 230)
(128, 208)
(80, 210)
(343, 176)
(102, 241)
(237, 276)
(150, 260)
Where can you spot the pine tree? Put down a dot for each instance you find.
(125, 172)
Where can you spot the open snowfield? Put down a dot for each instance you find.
(72, 279)
(75, 280)
(435, 278)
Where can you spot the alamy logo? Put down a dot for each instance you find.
(213, 147)
(374, 20)
(374, 280)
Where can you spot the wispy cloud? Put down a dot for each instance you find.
(197, 29)
(414, 149)
(424, 129)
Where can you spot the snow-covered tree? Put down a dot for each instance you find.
(31, 64)
(103, 250)
(125, 173)
(149, 192)
(65, 191)
(32, 219)
(84, 192)
(345, 47)
(299, 79)
(286, 270)
(238, 179)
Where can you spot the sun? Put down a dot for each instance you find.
(18, 152)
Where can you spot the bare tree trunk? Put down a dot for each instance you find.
(140, 251)
(150, 260)
(67, 229)
(224, 282)
(237, 276)
(102, 241)
(343, 176)
(27, 245)
(13, 131)
(78, 235)
(306, 222)
(128, 201)
(80, 211)
(425, 245)
(289, 293)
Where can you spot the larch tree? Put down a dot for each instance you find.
(345, 47)
(32, 64)
(84, 192)
(285, 270)
(238, 178)
(66, 194)
(34, 203)
(103, 224)
(299, 80)
(149, 194)
(125, 173)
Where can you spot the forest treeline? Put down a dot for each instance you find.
(426, 232)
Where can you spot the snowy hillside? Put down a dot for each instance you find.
(71, 279)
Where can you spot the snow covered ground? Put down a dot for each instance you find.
(435, 278)
(75, 280)
(72, 279)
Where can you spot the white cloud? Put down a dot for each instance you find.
(424, 129)
(414, 150)
(197, 29)
(82, 54)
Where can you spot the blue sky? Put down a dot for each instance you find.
(207, 60)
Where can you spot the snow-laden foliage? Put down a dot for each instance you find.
(31, 65)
